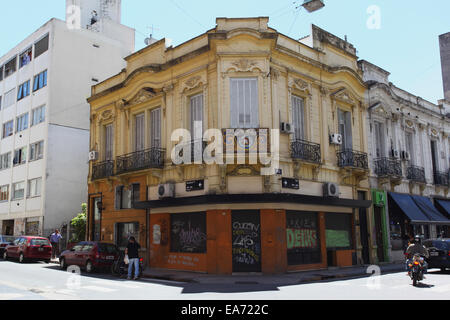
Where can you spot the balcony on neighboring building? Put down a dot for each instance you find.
(416, 174)
(306, 151)
(388, 167)
(140, 160)
(441, 179)
(102, 170)
(353, 159)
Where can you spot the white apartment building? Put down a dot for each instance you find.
(44, 83)
(409, 152)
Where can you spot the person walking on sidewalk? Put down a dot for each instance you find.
(132, 251)
(54, 240)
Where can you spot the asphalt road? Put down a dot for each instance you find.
(39, 281)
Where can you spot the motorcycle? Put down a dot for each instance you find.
(120, 269)
(416, 269)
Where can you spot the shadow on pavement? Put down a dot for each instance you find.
(227, 288)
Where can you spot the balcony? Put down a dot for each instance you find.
(147, 159)
(306, 151)
(441, 179)
(387, 167)
(102, 170)
(197, 149)
(353, 159)
(416, 174)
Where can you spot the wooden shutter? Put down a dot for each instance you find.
(155, 118)
(140, 132)
(109, 138)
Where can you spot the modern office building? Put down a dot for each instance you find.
(44, 83)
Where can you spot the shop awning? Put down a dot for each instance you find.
(409, 208)
(445, 205)
(430, 210)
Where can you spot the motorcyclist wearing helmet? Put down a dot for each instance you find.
(417, 248)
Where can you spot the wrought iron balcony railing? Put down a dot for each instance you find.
(140, 160)
(102, 170)
(416, 174)
(353, 159)
(306, 151)
(441, 179)
(388, 167)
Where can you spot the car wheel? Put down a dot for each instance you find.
(21, 258)
(89, 267)
(62, 264)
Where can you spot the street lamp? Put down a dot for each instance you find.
(313, 5)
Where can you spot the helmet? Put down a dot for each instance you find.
(417, 239)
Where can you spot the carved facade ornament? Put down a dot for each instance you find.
(301, 85)
(434, 132)
(409, 124)
(192, 83)
(345, 97)
(142, 96)
(244, 65)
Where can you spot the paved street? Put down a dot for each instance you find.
(39, 281)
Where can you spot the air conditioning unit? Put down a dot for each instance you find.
(330, 190)
(395, 154)
(286, 128)
(336, 138)
(166, 190)
(93, 156)
(406, 156)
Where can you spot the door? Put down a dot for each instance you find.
(379, 233)
(246, 237)
(364, 234)
(96, 218)
(434, 157)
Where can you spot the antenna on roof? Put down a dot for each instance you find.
(150, 40)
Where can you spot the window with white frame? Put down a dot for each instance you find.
(139, 132)
(22, 122)
(37, 151)
(345, 129)
(18, 190)
(34, 187)
(4, 193)
(20, 156)
(196, 115)
(10, 98)
(378, 130)
(298, 117)
(38, 115)
(244, 110)
(8, 129)
(23, 91)
(109, 142)
(5, 161)
(155, 128)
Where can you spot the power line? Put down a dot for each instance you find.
(186, 13)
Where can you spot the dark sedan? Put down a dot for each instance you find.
(439, 253)
(4, 241)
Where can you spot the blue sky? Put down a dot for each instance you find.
(406, 44)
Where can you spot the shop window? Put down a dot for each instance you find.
(188, 232)
(303, 238)
(23, 91)
(41, 46)
(22, 122)
(8, 129)
(40, 81)
(20, 156)
(25, 58)
(10, 67)
(124, 231)
(338, 231)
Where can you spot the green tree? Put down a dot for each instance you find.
(79, 225)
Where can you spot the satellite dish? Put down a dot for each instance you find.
(150, 40)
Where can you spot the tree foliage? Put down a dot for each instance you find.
(79, 225)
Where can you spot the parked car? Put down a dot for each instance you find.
(29, 248)
(439, 253)
(90, 256)
(4, 241)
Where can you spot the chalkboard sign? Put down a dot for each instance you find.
(302, 238)
(195, 185)
(246, 236)
(188, 232)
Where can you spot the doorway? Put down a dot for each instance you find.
(246, 237)
(378, 211)
(364, 234)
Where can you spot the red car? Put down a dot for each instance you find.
(29, 248)
(90, 256)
